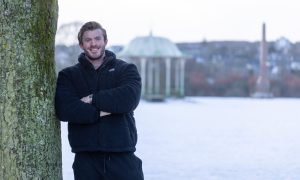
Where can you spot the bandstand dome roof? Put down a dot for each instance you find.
(150, 46)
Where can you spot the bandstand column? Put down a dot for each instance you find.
(168, 76)
(156, 76)
(182, 77)
(177, 77)
(143, 74)
(150, 78)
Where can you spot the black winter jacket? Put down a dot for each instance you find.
(116, 88)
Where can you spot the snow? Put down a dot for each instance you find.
(214, 138)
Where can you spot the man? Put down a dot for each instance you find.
(97, 97)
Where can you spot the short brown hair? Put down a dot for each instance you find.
(89, 26)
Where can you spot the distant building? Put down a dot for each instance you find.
(161, 65)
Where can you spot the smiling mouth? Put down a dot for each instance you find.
(95, 50)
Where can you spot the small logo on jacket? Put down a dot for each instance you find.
(111, 70)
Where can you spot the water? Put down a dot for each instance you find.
(215, 138)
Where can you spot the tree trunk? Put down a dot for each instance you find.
(30, 145)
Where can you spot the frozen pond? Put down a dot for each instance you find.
(215, 138)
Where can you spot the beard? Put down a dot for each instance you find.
(102, 54)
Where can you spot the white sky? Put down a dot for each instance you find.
(187, 20)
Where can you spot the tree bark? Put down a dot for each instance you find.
(30, 145)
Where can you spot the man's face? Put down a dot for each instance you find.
(93, 44)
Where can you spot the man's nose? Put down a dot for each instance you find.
(93, 42)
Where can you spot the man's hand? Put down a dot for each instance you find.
(88, 99)
(102, 113)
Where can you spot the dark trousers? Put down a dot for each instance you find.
(107, 166)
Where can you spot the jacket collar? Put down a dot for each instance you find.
(109, 57)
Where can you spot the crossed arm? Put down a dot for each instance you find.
(121, 99)
(88, 99)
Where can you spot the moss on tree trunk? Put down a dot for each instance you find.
(30, 145)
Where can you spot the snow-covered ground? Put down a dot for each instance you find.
(215, 139)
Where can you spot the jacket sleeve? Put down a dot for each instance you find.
(125, 97)
(68, 106)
